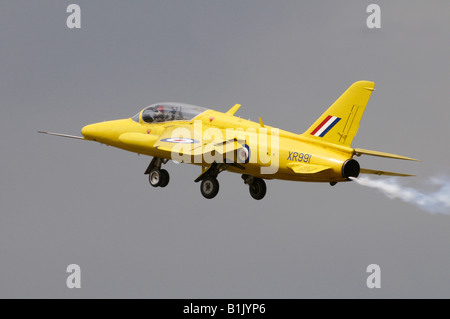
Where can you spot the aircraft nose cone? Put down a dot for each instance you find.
(90, 131)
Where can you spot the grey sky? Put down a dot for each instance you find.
(66, 201)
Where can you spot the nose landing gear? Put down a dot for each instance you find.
(159, 177)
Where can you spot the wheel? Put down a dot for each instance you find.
(155, 177)
(165, 178)
(209, 187)
(258, 188)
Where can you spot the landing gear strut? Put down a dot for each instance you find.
(157, 177)
(257, 186)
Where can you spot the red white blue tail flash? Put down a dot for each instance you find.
(325, 126)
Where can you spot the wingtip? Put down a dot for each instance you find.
(410, 159)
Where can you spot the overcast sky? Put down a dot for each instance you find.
(66, 201)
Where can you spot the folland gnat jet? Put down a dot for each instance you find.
(220, 142)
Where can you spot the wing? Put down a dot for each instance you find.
(176, 135)
(184, 140)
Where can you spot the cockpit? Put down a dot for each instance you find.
(166, 112)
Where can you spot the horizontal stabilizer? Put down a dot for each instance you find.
(307, 168)
(379, 173)
(62, 135)
(360, 151)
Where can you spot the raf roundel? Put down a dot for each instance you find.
(181, 140)
(243, 154)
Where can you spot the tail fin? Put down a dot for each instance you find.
(340, 123)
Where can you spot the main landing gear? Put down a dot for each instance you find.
(256, 186)
(157, 177)
(209, 186)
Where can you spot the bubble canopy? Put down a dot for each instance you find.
(168, 111)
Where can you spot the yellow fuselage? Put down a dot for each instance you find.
(292, 148)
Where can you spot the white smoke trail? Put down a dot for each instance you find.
(437, 201)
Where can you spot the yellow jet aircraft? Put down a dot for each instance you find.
(219, 141)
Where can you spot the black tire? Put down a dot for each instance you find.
(165, 178)
(209, 187)
(155, 177)
(258, 188)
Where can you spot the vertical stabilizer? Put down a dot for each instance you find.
(340, 123)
